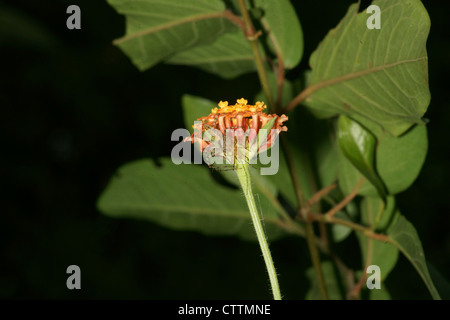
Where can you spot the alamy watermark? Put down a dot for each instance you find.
(374, 280)
(74, 20)
(74, 280)
(374, 21)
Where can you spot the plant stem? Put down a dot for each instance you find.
(367, 231)
(346, 200)
(244, 178)
(252, 37)
(321, 193)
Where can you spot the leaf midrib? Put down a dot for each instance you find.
(194, 211)
(205, 16)
(353, 75)
(219, 59)
(345, 77)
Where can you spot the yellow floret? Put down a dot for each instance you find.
(223, 104)
(260, 104)
(242, 101)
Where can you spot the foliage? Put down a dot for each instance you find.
(368, 90)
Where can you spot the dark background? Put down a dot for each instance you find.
(73, 109)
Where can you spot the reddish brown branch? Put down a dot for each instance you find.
(346, 200)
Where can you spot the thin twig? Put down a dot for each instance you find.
(346, 200)
(321, 193)
(356, 292)
(234, 18)
(357, 227)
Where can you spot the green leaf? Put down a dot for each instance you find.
(382, 254)
(358, 146)
(332, 282)
(398, 160)
(286, 34)
(403, 235)
(157, 29)
(380, 74)
(195, 107)
(182, 197)
(228, 57)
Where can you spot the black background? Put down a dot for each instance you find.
(73, 109)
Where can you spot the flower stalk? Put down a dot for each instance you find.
(243, 174)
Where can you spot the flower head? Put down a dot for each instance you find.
(240, 120)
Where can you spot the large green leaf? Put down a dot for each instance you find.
(182, 197)
(404, 236)
(286, 34)
(229, 56)
(398, 160)
(381, 74)
(358, 146)
(382, 254)
(156, 29)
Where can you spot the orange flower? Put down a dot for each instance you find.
(239, 118)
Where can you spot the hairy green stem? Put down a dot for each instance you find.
(244, 178)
